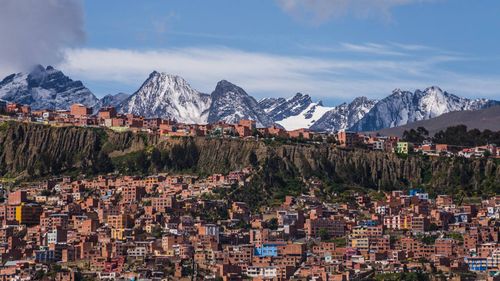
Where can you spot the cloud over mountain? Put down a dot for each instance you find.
(35, 31)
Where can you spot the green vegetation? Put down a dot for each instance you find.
(323, 234)
(181, 158)
(459, 135)
(456, 135)
(282, 168)
(416, 136)
(4, 126)
(339, 242)
(272, 224)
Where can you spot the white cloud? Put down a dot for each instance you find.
(37, 32)
(263, 74)
(319, 11)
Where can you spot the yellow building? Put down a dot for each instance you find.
(403, 147)
(360, 243)
(28, 214)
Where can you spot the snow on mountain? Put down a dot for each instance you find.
(231, 103)
(305, 119)
(403, 107)
(300, 111)
(344, 116)
(284, 108)
(45, 88)
(170, 97)
(269, 104)
(111, 100)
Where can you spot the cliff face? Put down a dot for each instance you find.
(28, 150)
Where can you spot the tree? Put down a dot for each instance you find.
(103, 163)
(272, 224)
(331, 139)
(318, 138)
(142, 162)
(416, 136)
(323, 234)
(156, 159)
(252, 158)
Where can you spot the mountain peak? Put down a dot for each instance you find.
(167, 96)
(45, 88)
(405, 107)
(224, 84)
(433, 89)
(230, 103)
(344, 116)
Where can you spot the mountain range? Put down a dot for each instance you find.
(483, 119)
(171, 97)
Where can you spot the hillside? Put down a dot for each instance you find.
(480, 119)
(31, 151)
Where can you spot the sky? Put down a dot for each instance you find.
(333, 50)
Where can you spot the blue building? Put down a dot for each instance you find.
(368, 223)
(415, 191)
(45, 256)
(266, 250)
(476, 263)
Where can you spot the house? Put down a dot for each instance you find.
(80, 110)
(347, 139)
(301, 134)
(107, 113)
(404, 147)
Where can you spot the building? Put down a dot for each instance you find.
(251, 124)
(131, 194)
(445, 247)
(266, 250)
(57, 235)
(476, 263)
(300, 134)
(244, 131)
(80, 110)
(28, 214)
(118, 221)
(347, 139)
(334, 228)
(107, 113)
(17, 197)
(404, 147)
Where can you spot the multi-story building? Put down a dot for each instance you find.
(80, 110)
(333, 228)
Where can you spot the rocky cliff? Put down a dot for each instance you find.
(29, 151)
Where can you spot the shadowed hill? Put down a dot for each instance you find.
(32, 151)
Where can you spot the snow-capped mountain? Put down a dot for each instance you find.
(344, 115)
(300, 111)
(280, 108)
(403, 107)
(45, 88)
(231, 103)
(171, 97)
(268, 104)
(168, 96)
(111, 100)
(306, 118)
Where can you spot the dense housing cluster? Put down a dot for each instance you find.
(177, 226)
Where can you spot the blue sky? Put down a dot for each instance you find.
(333, 50)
